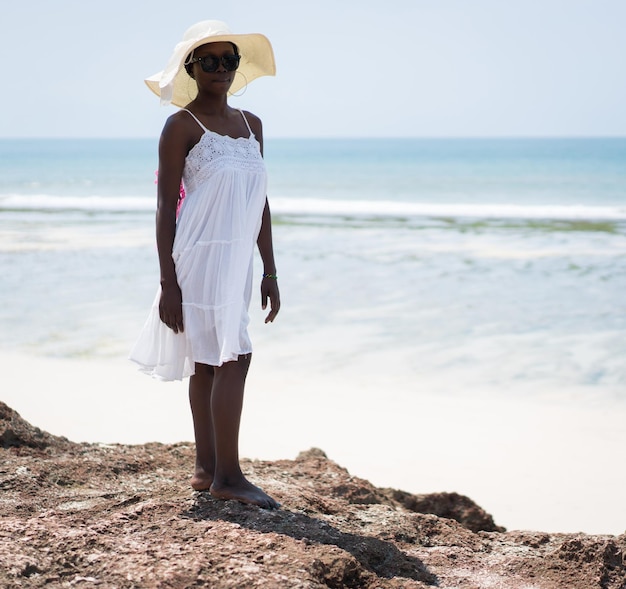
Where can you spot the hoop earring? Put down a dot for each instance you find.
(245, 86)
(191, 87)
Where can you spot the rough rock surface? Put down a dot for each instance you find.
(114, 516)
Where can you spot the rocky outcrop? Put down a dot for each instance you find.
(114, 516)
(15, 432)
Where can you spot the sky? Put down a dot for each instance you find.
(345, 68)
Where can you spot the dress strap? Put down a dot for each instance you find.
(197, 121)
(246, 121)
(205, 129)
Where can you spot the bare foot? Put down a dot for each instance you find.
(245, 492)
(201, 480)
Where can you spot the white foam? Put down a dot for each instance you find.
(47, 202)
(326, 207)
(310, 206)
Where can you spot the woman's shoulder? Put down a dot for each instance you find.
(181, 125)
(181, 119)
(250, 115)
(254, 121)
(180, 133)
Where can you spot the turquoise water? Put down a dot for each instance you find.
(526, 171)
(490, 262)
(77, 167)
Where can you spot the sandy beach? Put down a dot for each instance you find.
(550, 465)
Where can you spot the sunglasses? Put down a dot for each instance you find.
(210, 63)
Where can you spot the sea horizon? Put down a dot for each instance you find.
(325, 137)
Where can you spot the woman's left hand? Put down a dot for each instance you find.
(269, 289)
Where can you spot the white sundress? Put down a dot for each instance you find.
(217, 228)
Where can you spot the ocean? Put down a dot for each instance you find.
(496, 263)
(453, 313)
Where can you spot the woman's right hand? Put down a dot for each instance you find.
(171, 307)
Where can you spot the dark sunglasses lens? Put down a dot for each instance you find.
(208, 63)
(230, 62)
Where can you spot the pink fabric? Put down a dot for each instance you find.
(181, 196)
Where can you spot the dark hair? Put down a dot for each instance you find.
(189, 66)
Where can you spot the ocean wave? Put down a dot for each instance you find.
(396, 209)
(334, 208)
(51, 203)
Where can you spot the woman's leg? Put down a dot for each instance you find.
(200, 387)
(226, 405)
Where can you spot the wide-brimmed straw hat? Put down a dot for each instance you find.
(175, 86)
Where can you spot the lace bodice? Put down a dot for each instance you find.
(215, 152)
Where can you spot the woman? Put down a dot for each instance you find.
(198, 324)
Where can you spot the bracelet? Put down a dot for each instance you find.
(270, 276)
